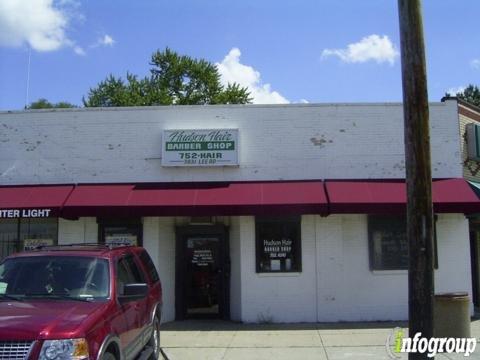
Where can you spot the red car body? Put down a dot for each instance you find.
(121, 328)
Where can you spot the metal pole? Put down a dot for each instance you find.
(418, 172)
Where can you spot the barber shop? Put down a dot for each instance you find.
(252, 213)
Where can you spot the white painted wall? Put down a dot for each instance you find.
(277, 142)
(159, 241)
(235, 270)
(336, 283)
(453, 254)
(347, 288)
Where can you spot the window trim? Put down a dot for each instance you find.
(297, 243)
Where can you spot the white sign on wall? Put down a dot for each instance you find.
(24, 213)
(32, 244)
(121, 239)
(205, 147)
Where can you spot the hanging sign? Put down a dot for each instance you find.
(200, 147)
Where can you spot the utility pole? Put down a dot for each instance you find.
(418, 172)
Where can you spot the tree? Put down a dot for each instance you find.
(45, 104)
(174, 80)
(471, 94)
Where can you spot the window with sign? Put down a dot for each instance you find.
(388, 243)
(278, 244)
(26, 234)
(121, 231)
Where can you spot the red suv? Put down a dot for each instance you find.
(80, 302)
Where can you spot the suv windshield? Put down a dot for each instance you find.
(55, 277)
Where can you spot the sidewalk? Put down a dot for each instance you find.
(220, 340)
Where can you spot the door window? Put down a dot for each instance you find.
(202, 275)
(149, 265)
(127, 273)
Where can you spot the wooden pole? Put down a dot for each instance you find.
(418, 172)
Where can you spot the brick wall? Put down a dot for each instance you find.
(278, 142)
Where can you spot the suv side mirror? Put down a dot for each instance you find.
(134, 291)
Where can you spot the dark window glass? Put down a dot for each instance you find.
(9, 242)
(278, 244)
(19, 234)
(388, 243)
(133, 267)
(149, 265)
(127, 273)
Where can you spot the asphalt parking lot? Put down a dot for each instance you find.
(220, 340)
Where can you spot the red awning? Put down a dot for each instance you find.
(454, 196)
(243, 198)
(367, 197)
(34, 197)
(198, 199)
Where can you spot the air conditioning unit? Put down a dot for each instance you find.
(473, 141)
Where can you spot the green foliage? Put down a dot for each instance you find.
(174, 80)
(45, 104)
(471, 94)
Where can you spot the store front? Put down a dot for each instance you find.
(250, 213)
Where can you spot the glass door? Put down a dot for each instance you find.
(202, 276)
(202, 272)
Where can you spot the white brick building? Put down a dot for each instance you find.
(299, 230)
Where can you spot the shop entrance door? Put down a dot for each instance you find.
(202, 280)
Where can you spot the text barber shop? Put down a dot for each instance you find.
(261, 213)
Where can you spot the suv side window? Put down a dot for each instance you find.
(127, 273)
(149, 265)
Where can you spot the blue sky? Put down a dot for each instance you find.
(284, 51)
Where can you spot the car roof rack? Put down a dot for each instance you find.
(99, 246)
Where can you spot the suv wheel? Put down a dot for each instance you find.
(108, 356)
(154, 341)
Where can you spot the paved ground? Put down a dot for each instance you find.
(219, 340)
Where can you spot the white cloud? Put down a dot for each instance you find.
(79, 50)
(475, 63)
(42, 24)
(455, 90)
(371, 48)
(105, 40)
(232, 70)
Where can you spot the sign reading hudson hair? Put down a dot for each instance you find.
(204, 147)
(25, 213)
